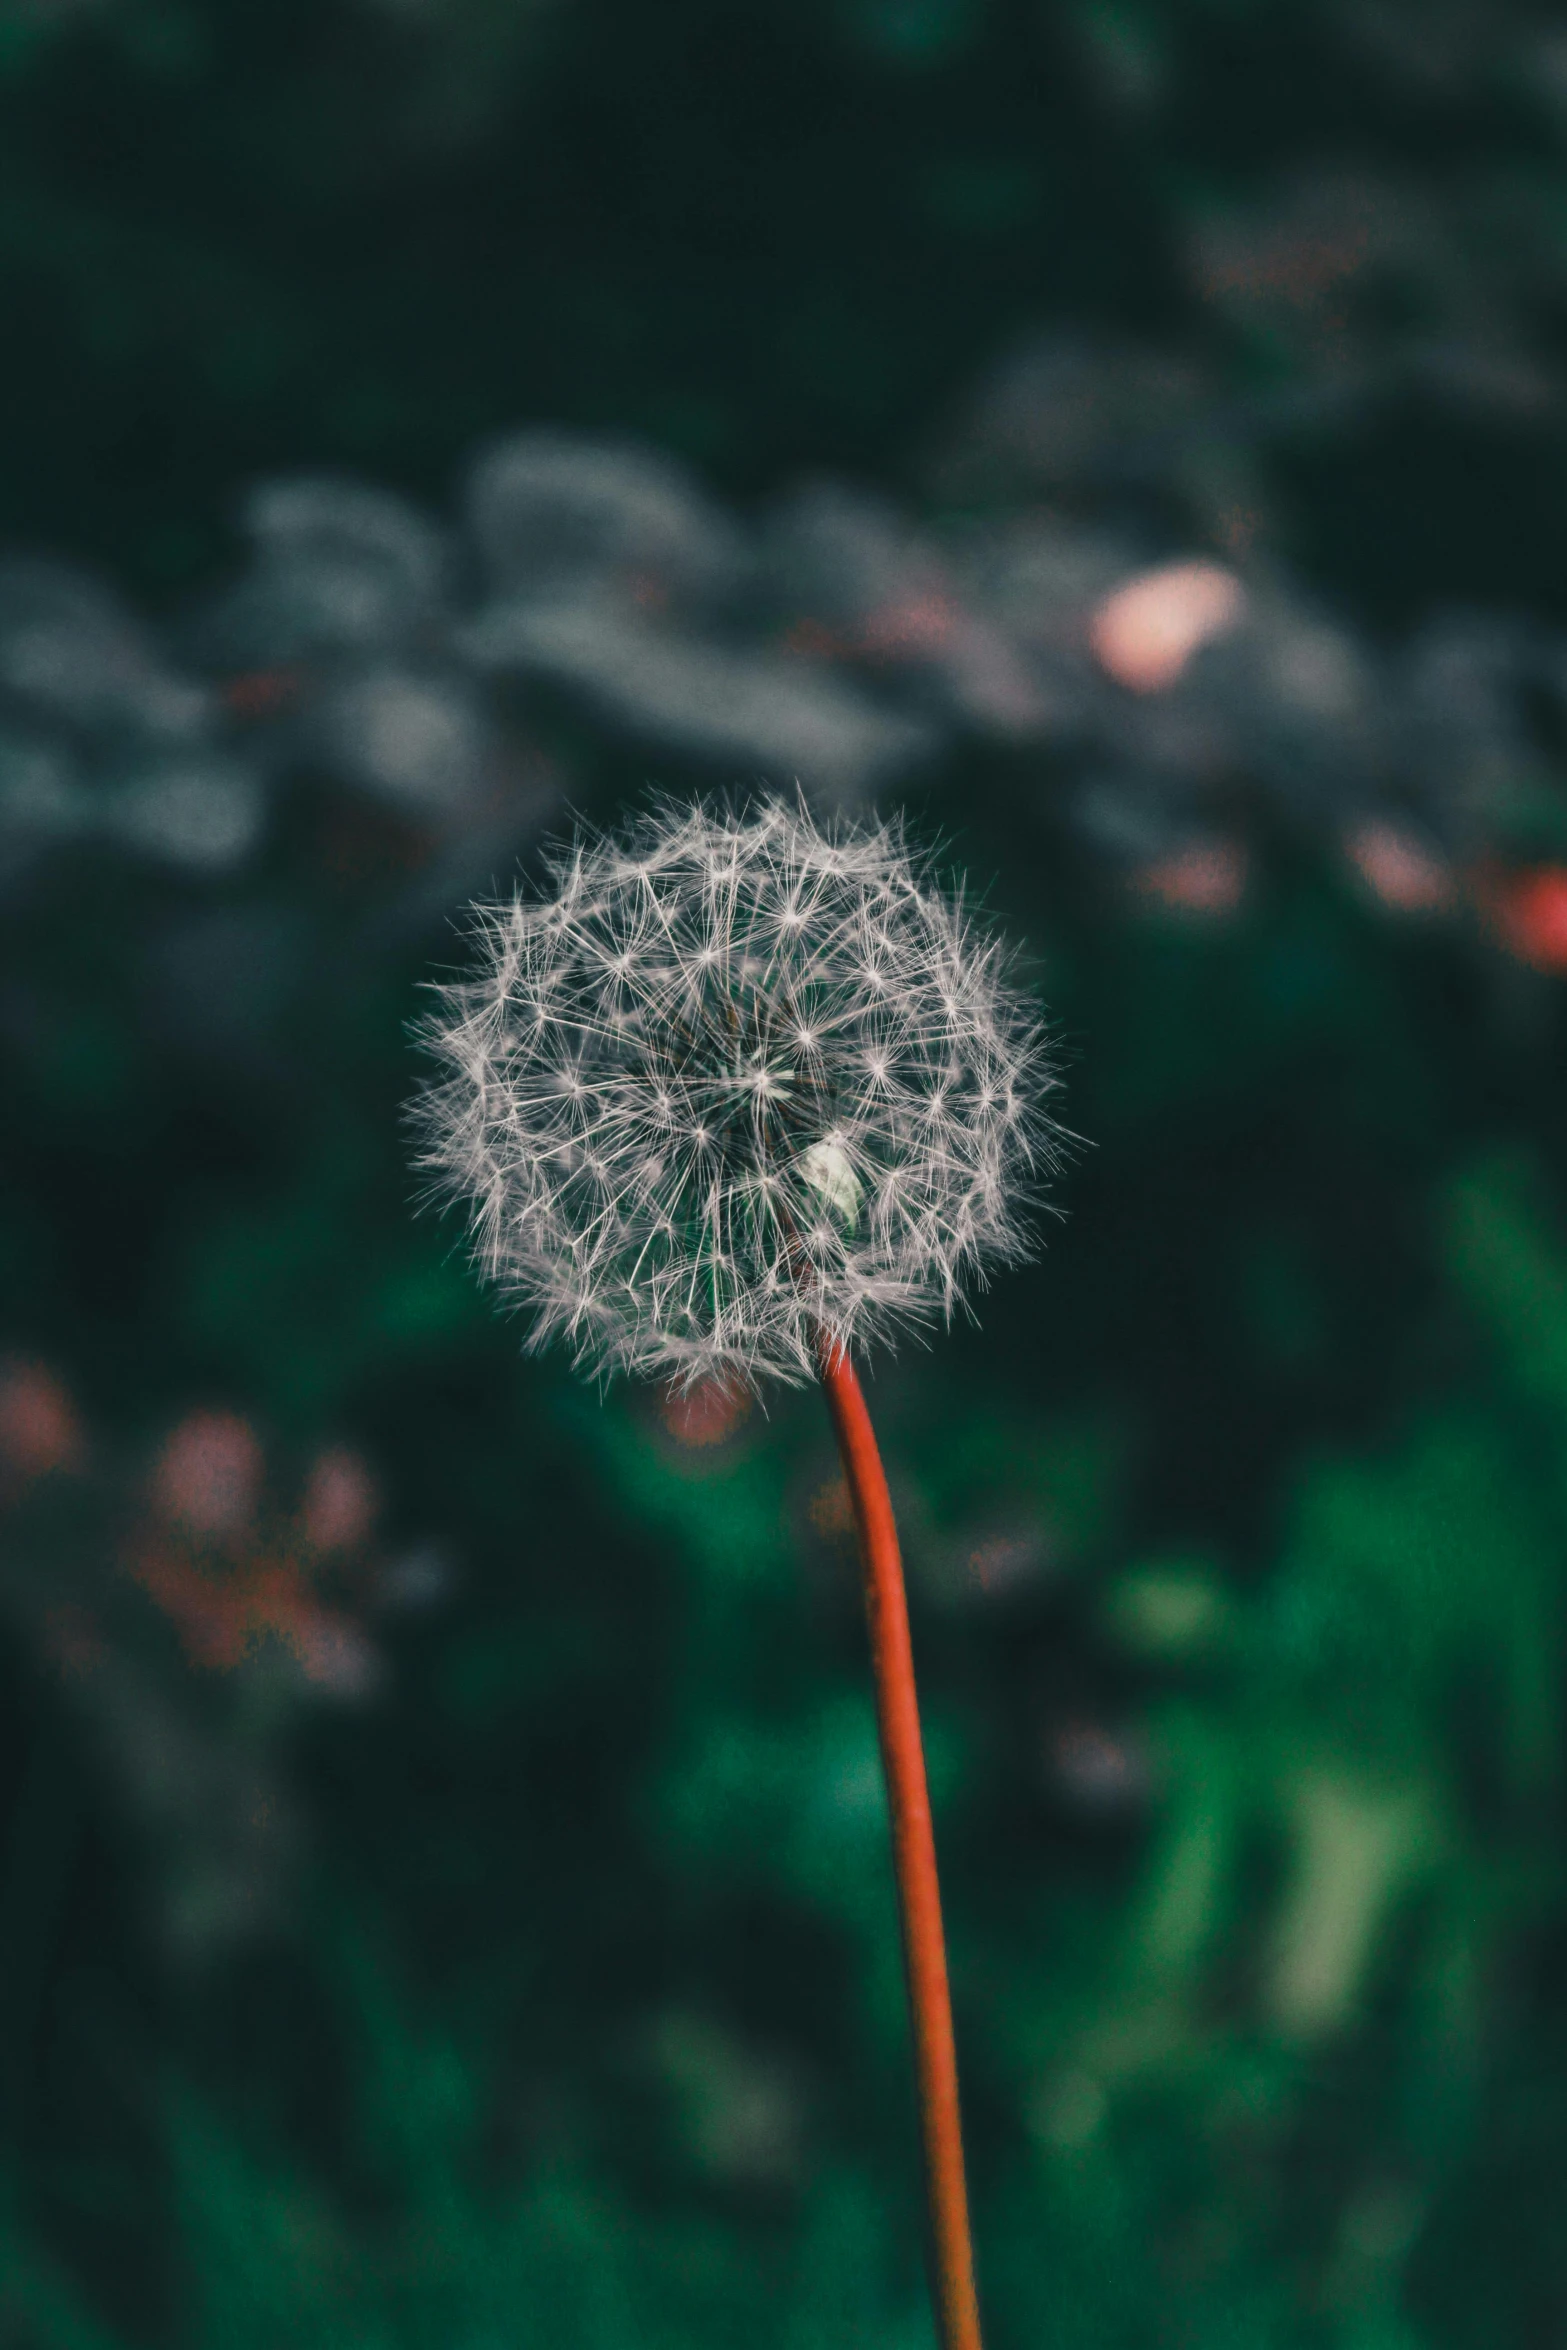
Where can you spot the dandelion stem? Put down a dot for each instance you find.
(913, 1850)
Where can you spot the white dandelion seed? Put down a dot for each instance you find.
(732, 1084)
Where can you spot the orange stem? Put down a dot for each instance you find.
(913, 1850)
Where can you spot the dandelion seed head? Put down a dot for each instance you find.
(729, 1080)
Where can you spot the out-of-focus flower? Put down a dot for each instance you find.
(707, 1414)
(1204, 877)
(1528, 912)
(340, 1502)
(39, 1428)
(1405, 872)
(208, 1475)
(228, 1587)
(731, 1084)
(254, 1597)
(840, 641)
(227, 1614)
(1145, 633)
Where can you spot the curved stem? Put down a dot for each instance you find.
(913, 1850)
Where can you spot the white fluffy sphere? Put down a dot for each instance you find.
(729, 1082)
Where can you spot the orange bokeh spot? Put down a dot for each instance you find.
(708, 1413)
(832, 1508)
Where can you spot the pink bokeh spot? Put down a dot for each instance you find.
(1406, 875)
(708, 1413)
(208, 1475)
(1145, 632)
(1208, 877)
(340, 1503)
(39, 1429)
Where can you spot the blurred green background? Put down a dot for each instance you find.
(443, 1894)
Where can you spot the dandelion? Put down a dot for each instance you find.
(732, 1098)
(733, 1083)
